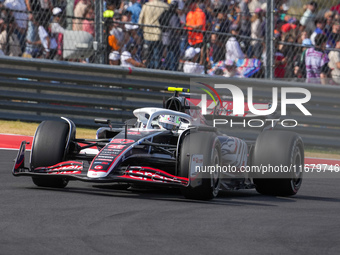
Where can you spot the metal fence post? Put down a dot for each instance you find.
(270, 39)
(99, 54)
(8, 35)
(69, 14)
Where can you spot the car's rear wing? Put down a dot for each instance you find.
(218, 116)
(222, 107)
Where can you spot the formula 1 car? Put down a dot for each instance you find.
(172, 146)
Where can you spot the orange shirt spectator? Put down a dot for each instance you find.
(195, 20)
(114, 43)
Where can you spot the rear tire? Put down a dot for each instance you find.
(276, 149)
(48, 149)
(208, 145)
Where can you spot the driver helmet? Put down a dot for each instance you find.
(169, 122)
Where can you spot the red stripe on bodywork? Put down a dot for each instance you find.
(150, 174)
(62, 166)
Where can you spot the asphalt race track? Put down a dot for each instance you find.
(87, 219)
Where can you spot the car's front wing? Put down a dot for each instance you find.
(74, 170)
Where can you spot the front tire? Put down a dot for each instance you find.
(48, 149)
(208, 145)
(283, 150)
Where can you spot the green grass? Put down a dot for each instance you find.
(317, 152)
(28, 128)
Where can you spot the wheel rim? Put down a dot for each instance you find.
(215, 176)
(297, 174)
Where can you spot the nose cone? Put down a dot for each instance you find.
(96, 174)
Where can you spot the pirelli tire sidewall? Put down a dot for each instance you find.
(279, 156)
(49, 145)
(207, 185)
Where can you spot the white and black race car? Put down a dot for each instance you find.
(172, 146)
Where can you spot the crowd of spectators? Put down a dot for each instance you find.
(216, 37)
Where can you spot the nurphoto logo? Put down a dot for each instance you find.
(239, 105)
